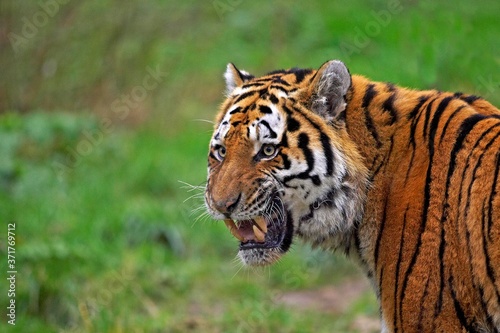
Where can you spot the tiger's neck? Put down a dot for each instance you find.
(375, 112)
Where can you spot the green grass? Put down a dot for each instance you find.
(109, 240)
(112, 244)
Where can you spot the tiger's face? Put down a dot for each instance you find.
(281, 163)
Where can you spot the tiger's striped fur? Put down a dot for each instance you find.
(405, 181)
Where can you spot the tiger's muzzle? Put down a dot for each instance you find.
(266, 237)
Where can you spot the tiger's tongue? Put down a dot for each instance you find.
(248, 230)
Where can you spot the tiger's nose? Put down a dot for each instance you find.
(227, 206)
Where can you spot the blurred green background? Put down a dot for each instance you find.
(103, 109)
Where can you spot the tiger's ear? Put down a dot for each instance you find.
(328, 89)
(235, 78)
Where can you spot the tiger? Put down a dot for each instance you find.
(405, 182)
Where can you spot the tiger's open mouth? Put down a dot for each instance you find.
(273, 231)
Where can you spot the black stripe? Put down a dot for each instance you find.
(300, 74)
(245, 77)
(448, 121)
(254, 84)
(371, 128)
(458, 308)
(292, 124)
(388, 106)
(444, 214)
(314, 124)
(325, 141)
(432, 133)
(489, 269)
(370, 93)
(327, 149)
(286, 162)
(427, 116)
(279, 80)
(469, 254)
(303, 143)
(416, 109)
(244, 95)
(265, 109)
(470, 98)
(287, 239)
(442, 248)
(424, 214)
(272, 133)
(416, 120)
(387, 156)
(273, 99)
(248, 94)
(410, 165)
(493, 194)
(398, 267)
(412, 142)
(235, 110)
(466, 126)
(423, 224)
(380, 233)
(434, 123)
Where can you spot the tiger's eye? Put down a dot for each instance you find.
(221, 152)
(268, 150)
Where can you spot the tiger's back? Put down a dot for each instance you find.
(434, 200)
(406, 181)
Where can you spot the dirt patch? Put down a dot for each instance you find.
(329, 299)
(334, 299)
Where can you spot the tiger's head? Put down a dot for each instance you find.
(281, 163)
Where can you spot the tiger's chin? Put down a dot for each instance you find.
(263, 239)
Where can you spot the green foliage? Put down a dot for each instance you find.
(90, 54)
(112, 242)
(107, 236)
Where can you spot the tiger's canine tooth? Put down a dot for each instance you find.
(233, 229)
(261, 222)
(259, 235)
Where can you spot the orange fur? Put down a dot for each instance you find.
(429, 236)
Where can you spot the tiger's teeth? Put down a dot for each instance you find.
(259, 235)
(261, 222)
(233, 229)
